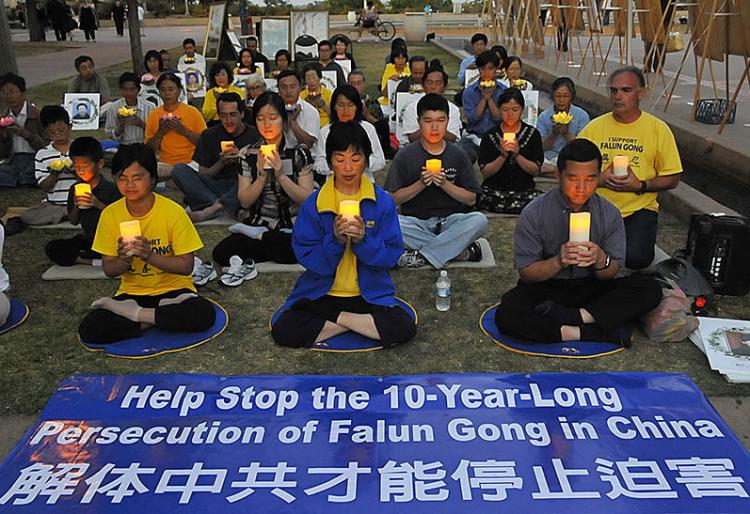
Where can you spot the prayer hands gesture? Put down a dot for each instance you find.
(273, 160)
(487, 92)
(430, 178)
(509, 147)
(345, 227)
(631, 183)
(582, 254)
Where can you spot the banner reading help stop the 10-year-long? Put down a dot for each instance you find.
(584, 443)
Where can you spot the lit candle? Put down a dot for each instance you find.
(620, 166)
(349, 209)
(226, 146)
(82, 189)
(433, 165)
(509, 136)
(580, 222)
(267, 151)
(129, 230)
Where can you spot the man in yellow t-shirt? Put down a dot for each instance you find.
(653, 162)
(156, 286)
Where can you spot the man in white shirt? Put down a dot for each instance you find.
(191, 59)
(434, 80)
(304, 120)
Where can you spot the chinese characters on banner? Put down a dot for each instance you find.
(615, 443)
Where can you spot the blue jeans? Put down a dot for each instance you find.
(202, 191)
(640, 234)
(18, 171)
(440, 239)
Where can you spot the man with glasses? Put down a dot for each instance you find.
(21, 136)
(213, 190)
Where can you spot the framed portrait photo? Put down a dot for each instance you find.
(84, 110)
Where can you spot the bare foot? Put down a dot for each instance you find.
(128, 309)
(204, 214)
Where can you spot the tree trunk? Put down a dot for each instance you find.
(7, 59)
(36, 33)
(134, 30)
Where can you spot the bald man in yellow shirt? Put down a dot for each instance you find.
(653, 162)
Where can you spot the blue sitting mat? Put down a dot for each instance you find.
(109, 144)
(18, 314)
(154, 342)
(564, 350)
(350, 342)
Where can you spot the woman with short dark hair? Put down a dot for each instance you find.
(220, 78)
(154, 261)
(347, 286)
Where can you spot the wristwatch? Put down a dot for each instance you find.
(642, 190)
(607, 262)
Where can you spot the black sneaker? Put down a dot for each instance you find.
(472, 253)
(14, 225)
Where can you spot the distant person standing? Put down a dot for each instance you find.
(88, 20)
(118, 16)
(57, 18)
(142, 19)
(368, 19)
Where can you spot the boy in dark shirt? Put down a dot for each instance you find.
(85, 207)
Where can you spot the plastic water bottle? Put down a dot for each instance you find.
(443, 292)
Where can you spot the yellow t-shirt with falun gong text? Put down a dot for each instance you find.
(649, 145)
(169, 231)
(346, 283)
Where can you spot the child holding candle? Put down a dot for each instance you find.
(347, 287)
(54, 172)
(272, 186)
(84, 207)
(567, 289)
(509, 158)
(156, 287)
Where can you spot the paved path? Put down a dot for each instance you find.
(108, 49)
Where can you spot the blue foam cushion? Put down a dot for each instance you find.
(351, 341)
(155, 342)
(109, 144)
(565, 349)
(18, 314)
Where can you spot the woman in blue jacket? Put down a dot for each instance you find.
(347, 286)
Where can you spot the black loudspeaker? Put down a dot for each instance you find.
(719, 247)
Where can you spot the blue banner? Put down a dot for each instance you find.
(584, 443)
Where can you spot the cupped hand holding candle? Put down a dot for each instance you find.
(433, 165)
(620, 166)
(349, 209)
(227, 146)
(267, 151)
(129, 230)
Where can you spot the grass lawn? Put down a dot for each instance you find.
(38, 354)
(27, 48)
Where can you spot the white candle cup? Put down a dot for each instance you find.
(580, 225)
(82, 189)
(267, 151)
(620, 166)
(349, 209)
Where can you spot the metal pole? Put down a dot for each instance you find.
(629, 38)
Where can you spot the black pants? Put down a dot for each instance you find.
(60, 33)
(120, 26)
(505, 202)
(612, 303)
(90, 34)
(300, 325)
(192, 315)
(640, 233)
(65, 252)
(275, 245)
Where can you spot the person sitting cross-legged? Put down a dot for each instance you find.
(272, 188)
(434, 218)
(567, 289)
(347, 286)
(213, 189)
(156, 286)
